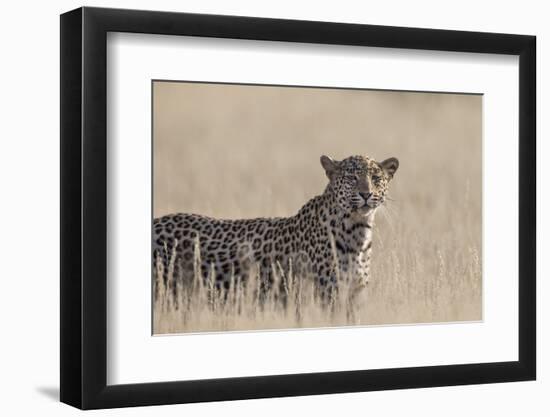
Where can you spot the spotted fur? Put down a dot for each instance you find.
(330, 236)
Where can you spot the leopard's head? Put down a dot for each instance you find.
(359, 183)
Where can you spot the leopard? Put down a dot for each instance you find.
(330, 236)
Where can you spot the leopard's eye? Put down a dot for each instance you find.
(375, 178)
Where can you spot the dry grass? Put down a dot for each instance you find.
(243, 152)
(402, 297)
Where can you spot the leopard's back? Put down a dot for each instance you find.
(187, 245)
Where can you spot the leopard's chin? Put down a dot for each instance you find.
(366, 210)
(373, 205)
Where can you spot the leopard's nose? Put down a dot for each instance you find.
(365, 196)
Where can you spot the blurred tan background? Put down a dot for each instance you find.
(238, 151)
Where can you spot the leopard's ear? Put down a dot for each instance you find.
(390, 165)
(330, 165)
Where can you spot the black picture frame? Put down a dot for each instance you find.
(84, 207)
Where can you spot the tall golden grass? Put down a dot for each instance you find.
(413, 290)
(231, 151)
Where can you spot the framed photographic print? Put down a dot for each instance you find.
(257, 207)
